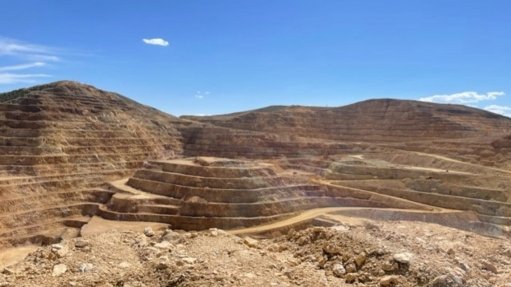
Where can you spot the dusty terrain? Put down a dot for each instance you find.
(351, 253)
(428, 182)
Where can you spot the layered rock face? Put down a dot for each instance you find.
(199, 193)
(58, 143)
(373, 121)
(202, 139)
(427, 179)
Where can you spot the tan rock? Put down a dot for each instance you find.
(58, 270)
(350, 278)
(148, 231)
(403, 258)
(81, 243)
(250, 242)
(350, 268)
(389, 281)
(360, 259)
(489, 266)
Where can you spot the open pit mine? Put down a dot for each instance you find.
(99, 190)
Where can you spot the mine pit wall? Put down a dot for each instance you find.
(232, 143)
(213, 171)
(49, 232)
(54, 161)
(191, 222)
(221, 195)
(364, 198)
(464, 220)
(484, 207)
(457, 190)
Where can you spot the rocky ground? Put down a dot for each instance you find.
(358, 253)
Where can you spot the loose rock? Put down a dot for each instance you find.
(59, 269)
(85, 267)
(389, 281)
(403, 258)
(250, 242)
(338, 270)
(448, 280)
(148, 231)
(81, 243)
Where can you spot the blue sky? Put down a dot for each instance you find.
(224, 56)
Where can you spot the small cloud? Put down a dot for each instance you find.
(463, 97)
(156, 42)
(502, 110)
(201, 95)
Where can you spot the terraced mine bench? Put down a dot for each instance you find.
(205, 192)
(211, 192)
(59, 144)
(442, 182)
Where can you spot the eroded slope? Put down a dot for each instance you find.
(59, 142)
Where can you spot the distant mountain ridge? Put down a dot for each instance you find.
(371, 120)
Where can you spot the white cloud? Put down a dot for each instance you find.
(8, 78)
(502, 110)
(463, 97)
(27, 51)
(201, 95)
(31, 56)
(22, 66)
(156, 41)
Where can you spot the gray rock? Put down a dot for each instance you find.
(85, 267)
(448, 280)
(338, 270)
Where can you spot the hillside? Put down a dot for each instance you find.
(58, 143)
(384, 120)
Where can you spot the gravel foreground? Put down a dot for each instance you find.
(370, 253)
